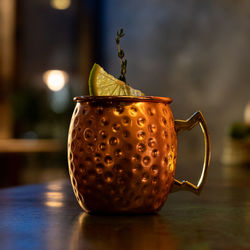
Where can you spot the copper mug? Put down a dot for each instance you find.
(122, 153)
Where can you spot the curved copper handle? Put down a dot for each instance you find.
(196, 118)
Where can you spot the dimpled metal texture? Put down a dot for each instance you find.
(121, 154)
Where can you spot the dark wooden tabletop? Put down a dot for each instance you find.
(47, 216)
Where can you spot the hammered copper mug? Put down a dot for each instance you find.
(122, 153)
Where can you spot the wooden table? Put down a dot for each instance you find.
(47, 216)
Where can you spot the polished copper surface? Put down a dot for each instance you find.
(180, 126)
(122, 153)
(166, 100)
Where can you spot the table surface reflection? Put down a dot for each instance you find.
(47, 216)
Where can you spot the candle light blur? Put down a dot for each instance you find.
(247, 114)
(60, 4)
(55, 79)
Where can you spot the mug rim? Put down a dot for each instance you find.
(156, 99)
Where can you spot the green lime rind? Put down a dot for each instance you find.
(91, 79)
(103, 84)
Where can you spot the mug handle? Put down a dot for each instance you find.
(196, 118)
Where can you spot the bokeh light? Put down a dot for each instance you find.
(55, 79)
(60, 4)
(247, 114)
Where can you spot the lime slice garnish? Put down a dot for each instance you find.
(103, 84)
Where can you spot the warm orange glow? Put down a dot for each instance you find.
(55, 79)
(54, 186)
(53, 199)
(247, 114)
(60, 4)
(53, 204)
(54, 195)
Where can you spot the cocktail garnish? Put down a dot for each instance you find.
(103, 84)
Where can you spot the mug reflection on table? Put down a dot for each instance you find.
(122, 232)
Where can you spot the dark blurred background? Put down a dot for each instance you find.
(196, 52)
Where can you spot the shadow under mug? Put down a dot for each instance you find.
(122, 153)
